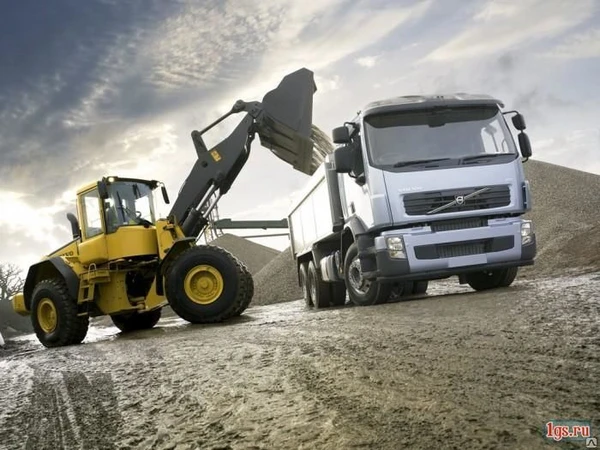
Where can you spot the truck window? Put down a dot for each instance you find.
(91, 211)
(427, 134)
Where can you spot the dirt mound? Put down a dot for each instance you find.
(277, 281)
(254, 255)
(566, 205)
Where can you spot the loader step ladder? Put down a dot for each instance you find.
(89, 280)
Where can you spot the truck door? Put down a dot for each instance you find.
(93, 249)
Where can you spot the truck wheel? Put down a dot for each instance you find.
(362, 292)
(205, 284)
(248, 287)
(420, 287)
(54, 315)
(303, 281)
(337, 294)
(491, 279)
(137, 321)
(319, 290)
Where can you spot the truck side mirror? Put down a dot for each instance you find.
(525, 145)
(340, 135)
(519, 121)
(102, 190)
(343, 158)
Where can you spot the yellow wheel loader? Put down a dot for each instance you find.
(125, 262)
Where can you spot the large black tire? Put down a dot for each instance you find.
(303, 281)
(420, 287)
(492, 279)
(54, 315)
(360, 291)
(205, 284)
(248, 287)
(137, 321)
(337, 293)
(319, 289)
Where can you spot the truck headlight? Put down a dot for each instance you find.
(395, 247)
(526, 232)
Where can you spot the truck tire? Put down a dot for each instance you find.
(303, 281)
(205, 284)
(481, 281)
(319, 290)
(136, 321)
(54, 315)
(337, 294)
(360, 291)
(420, 287)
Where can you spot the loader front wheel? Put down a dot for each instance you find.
(205, 284)
(137, 321)
(247, 287)
(54, 315)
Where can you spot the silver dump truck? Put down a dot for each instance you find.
(419, 188)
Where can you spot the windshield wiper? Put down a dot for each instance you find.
(483, 156)
(419, 161)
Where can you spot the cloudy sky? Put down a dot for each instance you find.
(98, 87)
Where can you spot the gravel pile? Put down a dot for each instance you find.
(254, 255)
(566, 215)
(278, 281)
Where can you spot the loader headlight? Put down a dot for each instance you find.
(526, 232)
(395, 247)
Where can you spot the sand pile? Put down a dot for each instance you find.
(566, 215)
(254, 255)
(277, 281)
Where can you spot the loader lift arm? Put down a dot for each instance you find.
(283, 121)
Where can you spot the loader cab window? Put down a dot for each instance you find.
(129, 203)
(92, 225)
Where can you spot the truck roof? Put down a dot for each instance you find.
(410, 102)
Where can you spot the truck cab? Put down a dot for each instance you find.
(423, 188)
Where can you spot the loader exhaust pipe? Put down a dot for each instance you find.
(285, 125)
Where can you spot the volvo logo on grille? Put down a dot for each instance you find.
(460, 199)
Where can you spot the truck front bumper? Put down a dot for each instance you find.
(430, 255)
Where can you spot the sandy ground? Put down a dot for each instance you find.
(464, 370)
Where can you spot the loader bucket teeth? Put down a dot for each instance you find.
(285, 127)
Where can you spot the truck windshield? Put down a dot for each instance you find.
(129, 203)
(446, 134)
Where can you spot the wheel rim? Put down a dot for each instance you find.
(358, 283)
(203, 284)
(47, 315)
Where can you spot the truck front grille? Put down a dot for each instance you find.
(459, 224)
(456, 200)
(464, 248)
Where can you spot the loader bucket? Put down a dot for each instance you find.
(285, 127)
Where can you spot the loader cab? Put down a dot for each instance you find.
(117, 217)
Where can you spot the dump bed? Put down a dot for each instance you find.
(310, 219)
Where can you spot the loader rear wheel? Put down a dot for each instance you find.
(303, 281)
(491, 279)
(205, 284)
(319, 289)
(137, 321)
(362, 292)
(54, 315)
